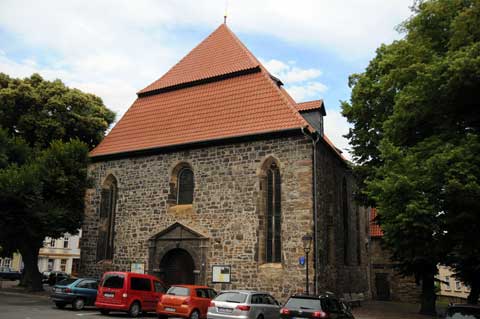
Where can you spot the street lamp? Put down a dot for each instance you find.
(307, 245)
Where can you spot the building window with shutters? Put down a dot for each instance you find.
(106, 231)
(182, 185)
(270, 219)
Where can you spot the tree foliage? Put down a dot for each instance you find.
(46, 130)
(415, 138)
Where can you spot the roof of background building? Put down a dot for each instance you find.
(375, 230)
(217, 91)
(311, 105)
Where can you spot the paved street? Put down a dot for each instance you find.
(16, 306)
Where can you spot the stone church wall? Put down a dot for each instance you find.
(340, 271)
(225, 209)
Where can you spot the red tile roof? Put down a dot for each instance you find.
(375, 230)
(247, 104)
(310, 105)
(243, 105)
(219, 54)
(168, 112)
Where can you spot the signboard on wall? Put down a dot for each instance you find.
(138, 268)
(221, 274)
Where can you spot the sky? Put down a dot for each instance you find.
(114, 48)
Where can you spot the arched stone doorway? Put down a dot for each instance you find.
(178, 255)
(178, 267)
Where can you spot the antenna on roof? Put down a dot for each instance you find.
(225, 14)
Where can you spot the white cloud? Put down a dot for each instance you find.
(114, 48)
(307, 91)
(288, 72)
(302, 84)
(335, 126)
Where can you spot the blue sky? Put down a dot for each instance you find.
(115, 48)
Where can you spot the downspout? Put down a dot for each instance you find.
(315, 138)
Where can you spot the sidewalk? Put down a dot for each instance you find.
(389, 310)
(12, 288)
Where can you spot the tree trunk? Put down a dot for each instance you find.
(428, 295)
(32, 277)
(474, 293)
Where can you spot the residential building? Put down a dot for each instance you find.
(62, 254)
(451, 287)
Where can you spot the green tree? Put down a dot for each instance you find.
(415, 139)
(46, 131)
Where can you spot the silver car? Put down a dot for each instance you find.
(243, 304)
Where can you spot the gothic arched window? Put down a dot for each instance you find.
(186, 185)
(273, 244)
(346, 223)
(106, 229)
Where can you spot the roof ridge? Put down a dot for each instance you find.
(243, 46)
(188, 70)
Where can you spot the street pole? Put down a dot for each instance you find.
(307, 284)
(307, 244)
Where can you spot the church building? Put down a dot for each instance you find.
(215, 174)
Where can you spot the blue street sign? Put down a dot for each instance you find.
(301, 260)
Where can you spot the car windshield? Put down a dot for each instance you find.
(178, 291)
(303, 303)
(113, 281)
(66, 282)
(236, 297)
(463, 313)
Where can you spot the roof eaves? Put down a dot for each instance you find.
(193, 144)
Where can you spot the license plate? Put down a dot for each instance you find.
(58, 289)
(225, 310)
(108, 295)
(169, 309)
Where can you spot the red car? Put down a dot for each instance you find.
(187, 301)
(130, 292)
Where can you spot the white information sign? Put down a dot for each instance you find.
(138, 268)
(221, 274)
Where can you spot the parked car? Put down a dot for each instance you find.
(187, 301)
(130, 292)
(243, 304)
(79, 293)
(9, 274)
(322, 306)
(55, 277)
(463, 311)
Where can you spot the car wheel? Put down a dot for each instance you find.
(135, 309)
(194, 315)
(162, 317)
(78, 304)
(60, 305)
(104, 311)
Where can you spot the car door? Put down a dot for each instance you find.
(81, 289)
(203, 301)
(142, 287)
(272, 306)
(159, 290)
(257, 306)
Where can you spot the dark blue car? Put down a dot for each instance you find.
(79, 293)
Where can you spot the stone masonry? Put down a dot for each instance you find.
(225, 209)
